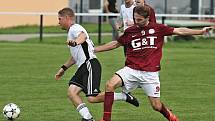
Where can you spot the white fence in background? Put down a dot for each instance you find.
(161, 18)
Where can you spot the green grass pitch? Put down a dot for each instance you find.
(27, 78)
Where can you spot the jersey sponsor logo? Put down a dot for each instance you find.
(147, 42)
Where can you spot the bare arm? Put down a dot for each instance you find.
(66, 65)
(106, 47)
(80, 39)
(69, 62)
(187, 31)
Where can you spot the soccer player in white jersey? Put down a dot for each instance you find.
(88, 75)
(126, 14)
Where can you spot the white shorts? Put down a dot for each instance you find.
(148, 81)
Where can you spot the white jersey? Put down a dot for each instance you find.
(126, 15)
(83, 52)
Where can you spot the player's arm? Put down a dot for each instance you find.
(187, 31)
(64, 67)
(79, 40)
(109, 46)
(69, 62)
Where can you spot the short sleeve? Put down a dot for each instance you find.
(166, 30)
(74, 31)
(123, 39)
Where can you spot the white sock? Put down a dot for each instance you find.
(84, 111)
(119, 96)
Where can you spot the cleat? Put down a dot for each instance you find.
(83, 119)
(131, 99)
(172, 117)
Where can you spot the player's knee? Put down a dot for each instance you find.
(71, 94)
(114, 83)
(110, 86)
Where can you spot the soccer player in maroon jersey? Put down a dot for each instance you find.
(143, 42)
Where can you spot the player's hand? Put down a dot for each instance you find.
(59, 74)
(71, 43)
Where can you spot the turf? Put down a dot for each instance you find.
(27, 72)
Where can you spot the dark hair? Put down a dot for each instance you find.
(66, 11)
(142, 10)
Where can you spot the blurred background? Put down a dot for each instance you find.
(26, 12)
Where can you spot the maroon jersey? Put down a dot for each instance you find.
(144, 46)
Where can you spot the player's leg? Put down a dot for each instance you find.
(75, 98)
(151, 86)
(77, 84)
(111, 85)
(128, 84)
(120, 96)
(121, 78)
(92, 81)
(93, 85)
(157, 105)
(115, 33)
(96, 99)
(111, 22)
(73, 94)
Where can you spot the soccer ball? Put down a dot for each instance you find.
(11, 111)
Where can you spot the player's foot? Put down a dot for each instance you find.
(172, 117)
(131, 99)
(87, 119)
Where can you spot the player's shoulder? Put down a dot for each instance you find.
(158, 27)
(76, 27)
